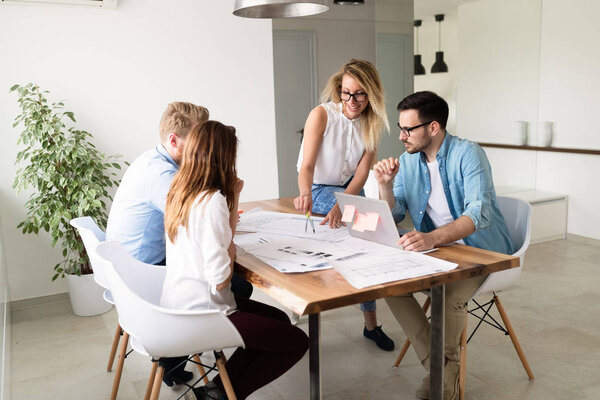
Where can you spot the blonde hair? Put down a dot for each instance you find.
(179, 117)
(208, 165)
(374, 116)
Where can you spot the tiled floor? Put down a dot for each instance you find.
(554, 308)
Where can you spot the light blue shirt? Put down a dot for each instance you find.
(136, 217)
(467, 181)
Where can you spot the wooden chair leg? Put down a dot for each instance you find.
(513, 336)
(402, 353)
(463, 361)
(157, 382)
(200, 368)
(113, 349)
(151, 380)
(407, 343)
(120, 362)
(224, 376)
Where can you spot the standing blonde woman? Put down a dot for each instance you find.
(339, 148)
(200, 221)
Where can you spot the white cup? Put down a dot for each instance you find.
(545, 134)
(521, 133)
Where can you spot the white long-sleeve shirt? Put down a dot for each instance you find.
(197, 261)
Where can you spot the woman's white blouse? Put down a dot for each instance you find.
(341, 149)
(197, 261)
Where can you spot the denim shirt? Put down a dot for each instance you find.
(136, 216)
(467, 181)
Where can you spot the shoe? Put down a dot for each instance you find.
(380, 338)
(423, 390)
(451, 375)
(208, 392)
(177, 377)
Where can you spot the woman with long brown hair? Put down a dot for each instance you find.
(200, 221)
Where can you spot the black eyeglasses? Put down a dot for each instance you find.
(407, 131)
(359, 97)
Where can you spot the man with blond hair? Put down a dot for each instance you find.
(136, 217)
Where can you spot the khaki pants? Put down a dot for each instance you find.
(414, 322)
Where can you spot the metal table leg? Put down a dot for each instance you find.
(314, 337)
(436, 366)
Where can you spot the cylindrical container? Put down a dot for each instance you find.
(521, 133)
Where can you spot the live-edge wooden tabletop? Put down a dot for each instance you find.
(313, 292)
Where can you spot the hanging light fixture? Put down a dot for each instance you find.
(439, 65)
(349, 2)
(278, 8)
(419, 68)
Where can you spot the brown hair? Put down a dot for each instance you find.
(179, 117)
(374, 116)
(208, 165)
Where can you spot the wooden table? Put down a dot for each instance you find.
(313, 292)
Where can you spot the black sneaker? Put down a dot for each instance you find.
(380, 338)
(208, 392)
(178, 377)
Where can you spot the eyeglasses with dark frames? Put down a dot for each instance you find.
(359, 97)
(407, 131)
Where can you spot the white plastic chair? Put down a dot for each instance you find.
(517, 214)
(158, 331)
(92, 235)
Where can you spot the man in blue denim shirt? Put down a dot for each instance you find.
(445, 183)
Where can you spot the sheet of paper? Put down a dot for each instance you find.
(374, 268)
(289, 225)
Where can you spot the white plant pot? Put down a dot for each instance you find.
(86, 296)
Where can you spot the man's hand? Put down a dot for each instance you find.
(385, 170)
(417, 241)
(334, 217)
(303, 203)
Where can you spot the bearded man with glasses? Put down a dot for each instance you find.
(445, 184)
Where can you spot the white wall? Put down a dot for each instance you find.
(343, 32)
(117, 70)
(535, 60)
(444, 84)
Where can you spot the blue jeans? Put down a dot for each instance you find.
(323, 198)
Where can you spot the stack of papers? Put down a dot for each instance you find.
(280, 241)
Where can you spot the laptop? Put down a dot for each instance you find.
(386, 231)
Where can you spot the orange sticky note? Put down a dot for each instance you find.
(371, 220)
(348, 214)
(359, 224)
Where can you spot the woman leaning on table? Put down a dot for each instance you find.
(339, 148)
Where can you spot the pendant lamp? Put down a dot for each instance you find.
(419, 68)
(349, 2)
(278, 8)
(439, 65)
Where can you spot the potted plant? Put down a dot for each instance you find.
(67, 177)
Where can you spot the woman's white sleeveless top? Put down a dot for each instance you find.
(341, 149)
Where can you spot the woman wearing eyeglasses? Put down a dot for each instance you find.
(340, 144)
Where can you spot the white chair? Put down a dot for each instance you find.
(92, 235)
(517, 214)
(161, 332)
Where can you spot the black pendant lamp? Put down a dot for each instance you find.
(439, 65)
(419, 68)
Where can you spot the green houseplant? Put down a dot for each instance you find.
(65, 173)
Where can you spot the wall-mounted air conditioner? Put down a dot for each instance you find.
(89, 3)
